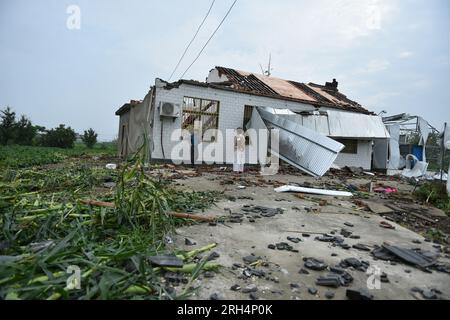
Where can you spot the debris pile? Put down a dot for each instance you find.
(423, 260)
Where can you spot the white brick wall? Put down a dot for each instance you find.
(362, 158)
(231, 115)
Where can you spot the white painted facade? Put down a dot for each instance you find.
(231, 114)
(363, 157)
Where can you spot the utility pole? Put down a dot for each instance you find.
(443, 151)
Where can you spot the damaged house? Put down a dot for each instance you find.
(229, 98)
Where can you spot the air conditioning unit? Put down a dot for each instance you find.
(169, 110)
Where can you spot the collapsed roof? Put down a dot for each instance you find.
(228, 79)
(326, 95)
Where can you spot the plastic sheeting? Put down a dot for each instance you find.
(301, 147)
(447, 137)
(394, 147)
(424, 133)
(419, 169)
(448, 182)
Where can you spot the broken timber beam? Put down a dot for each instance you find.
(173, 214)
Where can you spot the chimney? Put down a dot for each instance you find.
(332, 85)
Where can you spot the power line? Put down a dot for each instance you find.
(192, 40)
(221, 22)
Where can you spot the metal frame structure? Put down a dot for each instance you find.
(408, 124)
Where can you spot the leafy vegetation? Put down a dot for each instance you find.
(47, 231)
(436, 194)
(60, 137)
(16, 132)
(89, 138)
(22, 132)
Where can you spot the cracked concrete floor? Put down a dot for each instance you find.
(236, 240)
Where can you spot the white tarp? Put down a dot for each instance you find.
(418, 170)
(447, 137)
(394, 146)
(424, 133)
(448, 182)
(324, 192)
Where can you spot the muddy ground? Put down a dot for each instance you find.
(278, 275)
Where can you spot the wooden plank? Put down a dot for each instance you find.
(173, 214)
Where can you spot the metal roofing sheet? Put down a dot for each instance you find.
(355, 125)
(303, 148)
(338, 123)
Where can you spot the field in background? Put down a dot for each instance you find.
(26, 156)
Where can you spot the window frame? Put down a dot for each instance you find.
(201, 114)
(353, 147)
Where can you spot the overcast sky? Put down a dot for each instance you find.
(386, 54)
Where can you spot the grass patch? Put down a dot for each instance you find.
(27, 156)
(434, 193)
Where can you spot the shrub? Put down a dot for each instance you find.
(7, 126)
(25, 132)
(16, 132)
(89, 138)
(60, 137)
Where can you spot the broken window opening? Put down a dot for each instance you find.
(248, 110)
(201, 110)
(350, 145)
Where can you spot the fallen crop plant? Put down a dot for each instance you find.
(48, 233)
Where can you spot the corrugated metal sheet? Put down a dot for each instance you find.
(318, 123)
(303, 148)
(338, 124)
(351, 125)
(256, 122)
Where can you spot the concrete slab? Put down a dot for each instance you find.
(237, 240)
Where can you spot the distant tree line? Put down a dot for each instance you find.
(21, 131)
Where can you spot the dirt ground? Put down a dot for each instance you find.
(280, 278)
